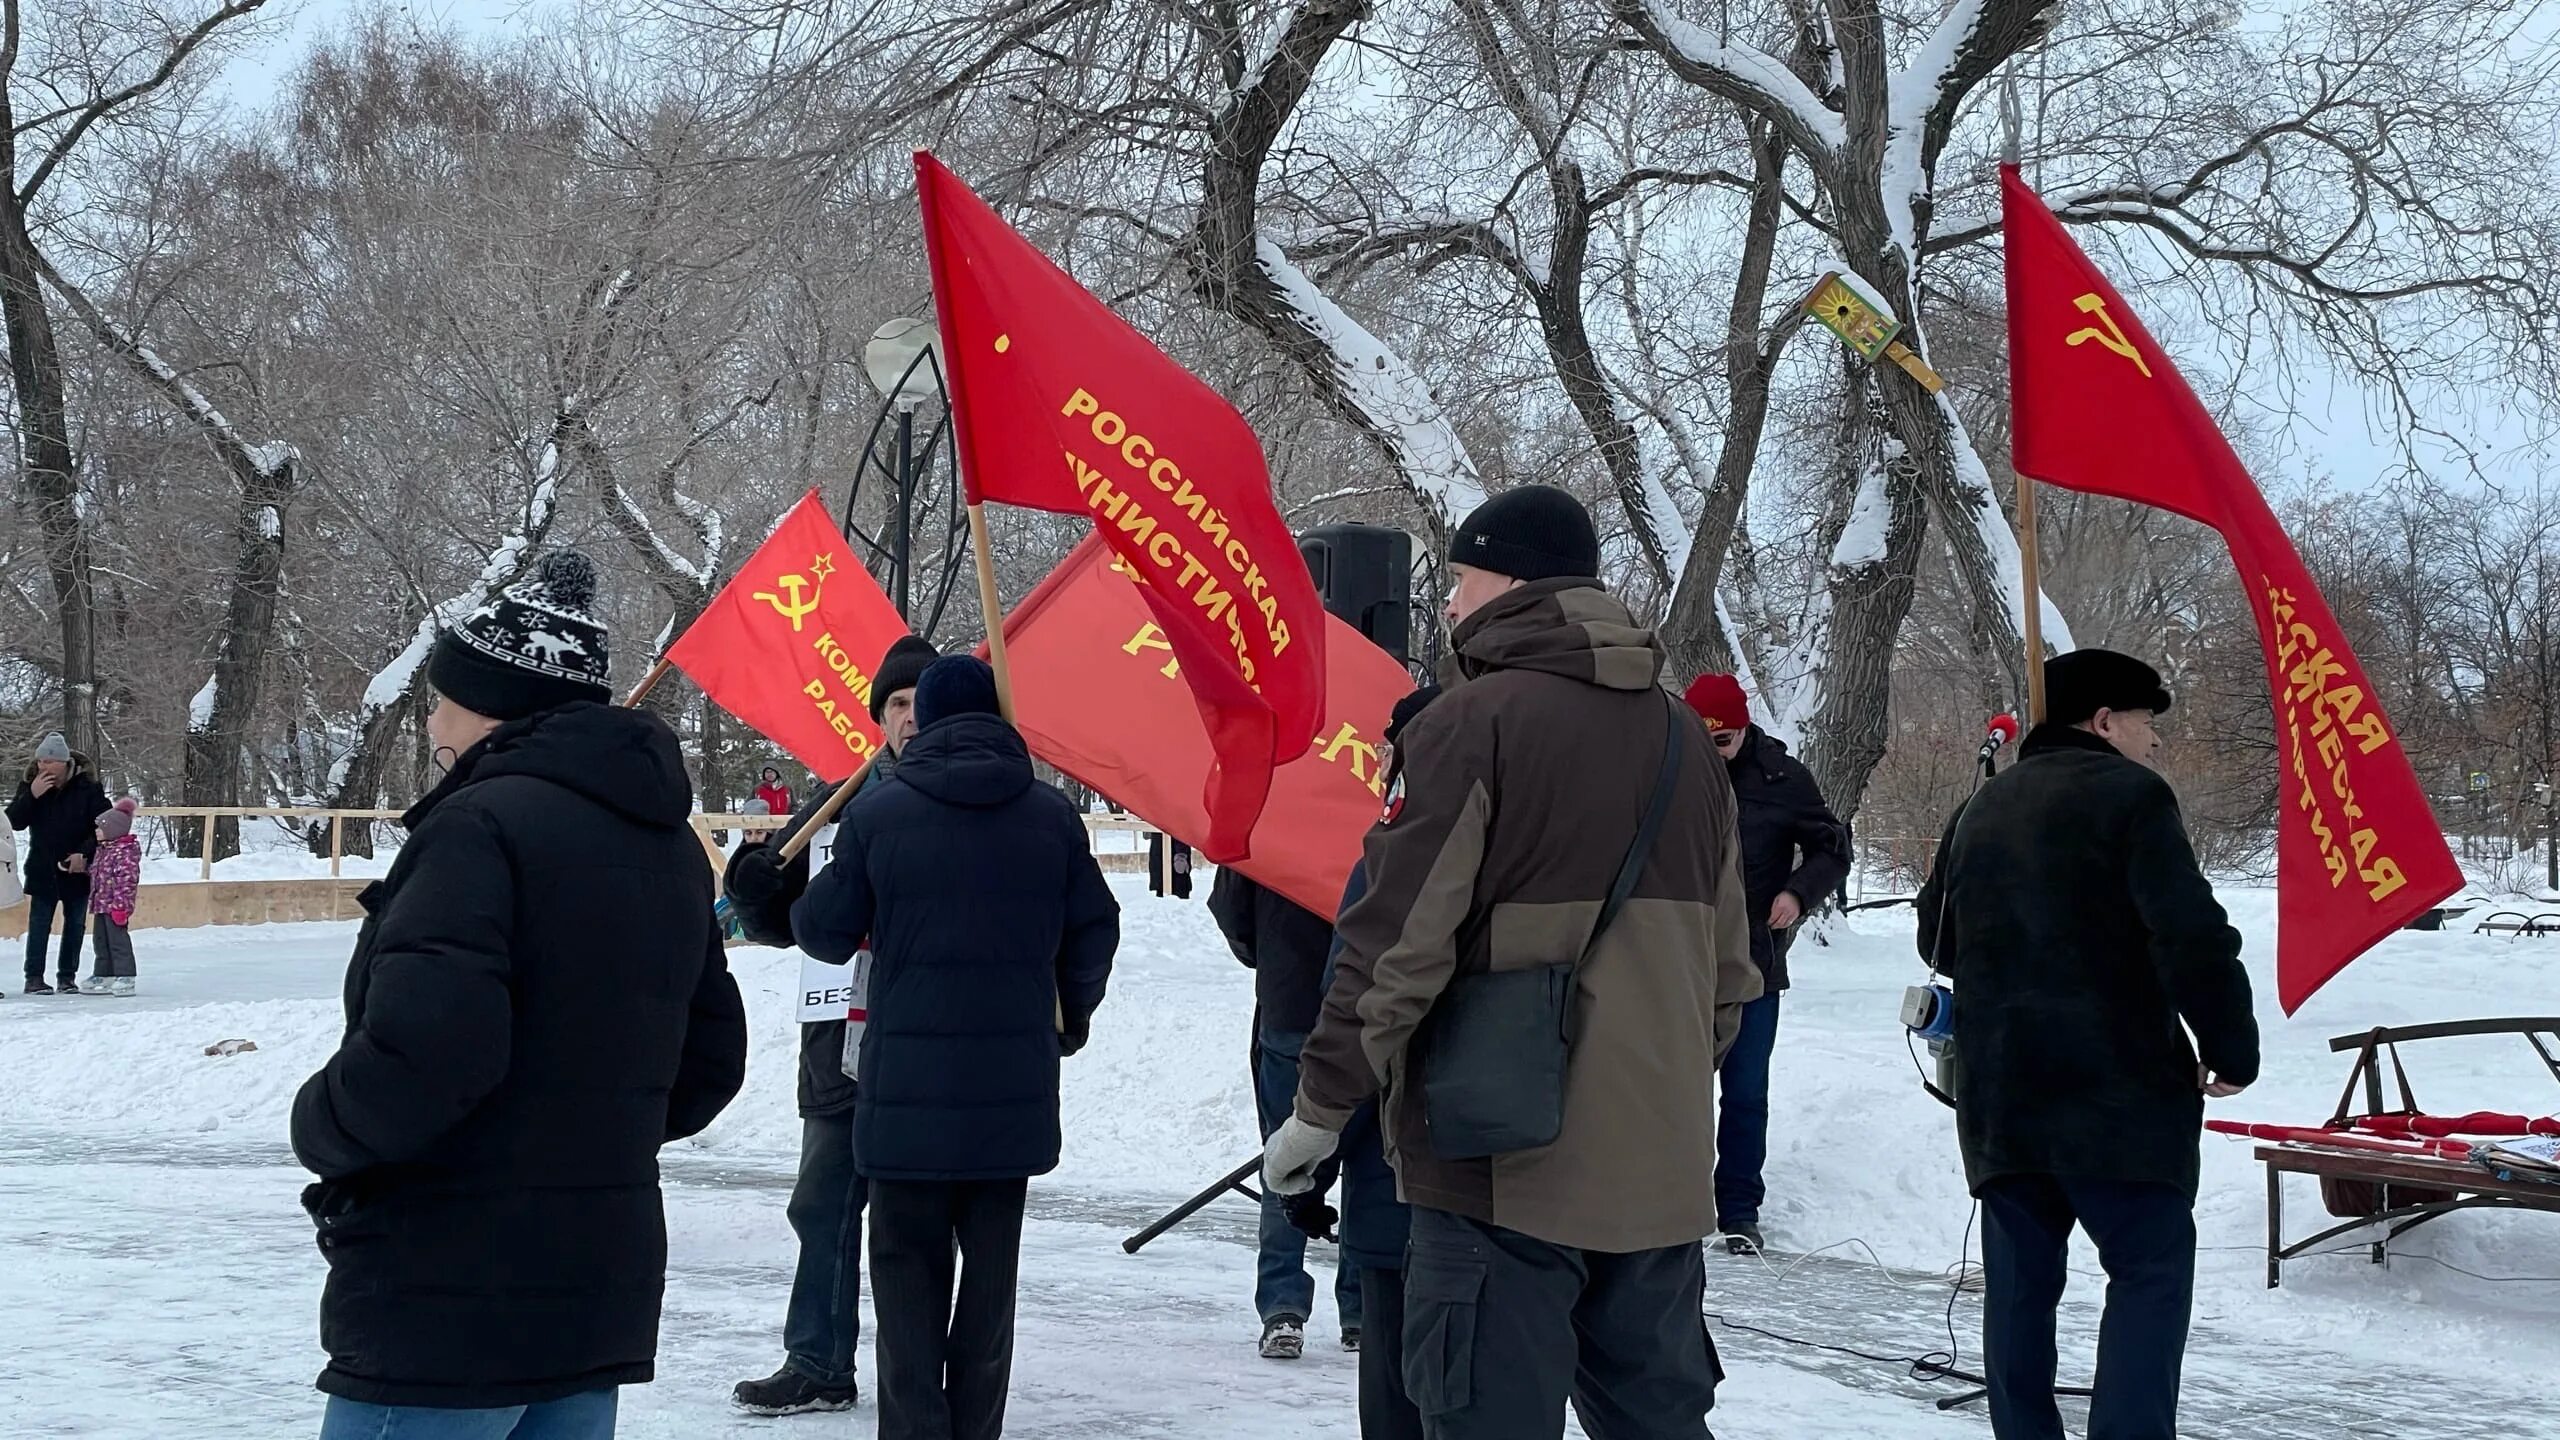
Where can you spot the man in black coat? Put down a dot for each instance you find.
(2084, 946)
(57, 804)
(1795, 852)
(991, 933)
(822, 1326)
(1285, 944)
(538, 1001)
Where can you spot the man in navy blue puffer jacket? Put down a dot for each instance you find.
(991, 935)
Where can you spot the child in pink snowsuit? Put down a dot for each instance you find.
(114, 875)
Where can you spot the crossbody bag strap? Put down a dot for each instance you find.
(1665, 784)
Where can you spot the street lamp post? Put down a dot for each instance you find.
(897, 364)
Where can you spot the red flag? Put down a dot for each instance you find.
(2098, 407)
(790, 644)
(1097, 692)
(1058, 405)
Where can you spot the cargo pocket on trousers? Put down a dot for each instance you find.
(1443, 1291)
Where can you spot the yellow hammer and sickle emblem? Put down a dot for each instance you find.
(794, 609)
(2106, 333)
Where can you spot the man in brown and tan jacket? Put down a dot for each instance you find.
(1573, 1269)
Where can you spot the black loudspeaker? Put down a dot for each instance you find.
(1364, 573)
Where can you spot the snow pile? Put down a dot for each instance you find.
(200, 709)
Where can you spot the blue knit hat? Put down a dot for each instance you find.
(955, 685)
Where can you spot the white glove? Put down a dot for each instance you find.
(1289, 1162)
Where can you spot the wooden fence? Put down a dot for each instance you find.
(210, 901)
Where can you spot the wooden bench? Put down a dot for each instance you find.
(2367, 1189)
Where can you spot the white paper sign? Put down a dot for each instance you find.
(833, 992)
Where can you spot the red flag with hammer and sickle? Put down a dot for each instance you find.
(2096, 406)
(790, 644)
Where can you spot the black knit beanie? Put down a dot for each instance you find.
(955, 685)
(1529, 532)
(535, 647)
(900, 669)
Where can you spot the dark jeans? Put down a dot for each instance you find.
(2146, 1238)
(823, 1327)
(944, 1368)
(73, 902)
(1282, 1285)
(1501, 1328)
(1742, 1121)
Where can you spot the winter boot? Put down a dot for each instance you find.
(1284, 1337)
(788, 1392)
(67, 985)
(97, 985)
(121, 987)
(1351, 1338)
(1742, 1240)
(37, 986)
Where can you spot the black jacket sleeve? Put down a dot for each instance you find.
(1091, 936)
(90, 808)
(433, 1039)
(834, 918)
(1231, 905)
(2192, 943)
(715, 1048)
(22, 810)
(1819, 837)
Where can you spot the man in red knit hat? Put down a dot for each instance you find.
(1794, 853)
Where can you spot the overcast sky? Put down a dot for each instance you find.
(2335, 432)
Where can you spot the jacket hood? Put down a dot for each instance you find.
(624, 759)
(1569, 627)
(81, 768)
(968, 759)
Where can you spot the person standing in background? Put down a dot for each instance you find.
(115, 875)
(822, 1322)
(775, 795)
(1795, 853)
(57, 804)
(1285, 945)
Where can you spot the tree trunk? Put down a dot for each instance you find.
(1871, 585)
(1691, 629)
(217, 749)
(52, 472)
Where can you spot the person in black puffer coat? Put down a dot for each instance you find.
(822, 1323)
(2085, 945)
(991, 932)
(539, 1000)
(57, 804)
(1795, 853)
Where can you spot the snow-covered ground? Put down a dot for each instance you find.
(158, 1278)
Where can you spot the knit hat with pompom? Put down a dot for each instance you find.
(535, 647)
(117, 822)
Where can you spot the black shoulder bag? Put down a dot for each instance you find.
(1493, 1061)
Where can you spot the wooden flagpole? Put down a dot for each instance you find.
(649, 682)
(991, 605)
(2030, 555)
(799, 839)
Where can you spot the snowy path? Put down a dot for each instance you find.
(157, 1277)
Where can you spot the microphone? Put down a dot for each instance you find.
(2003, 730)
